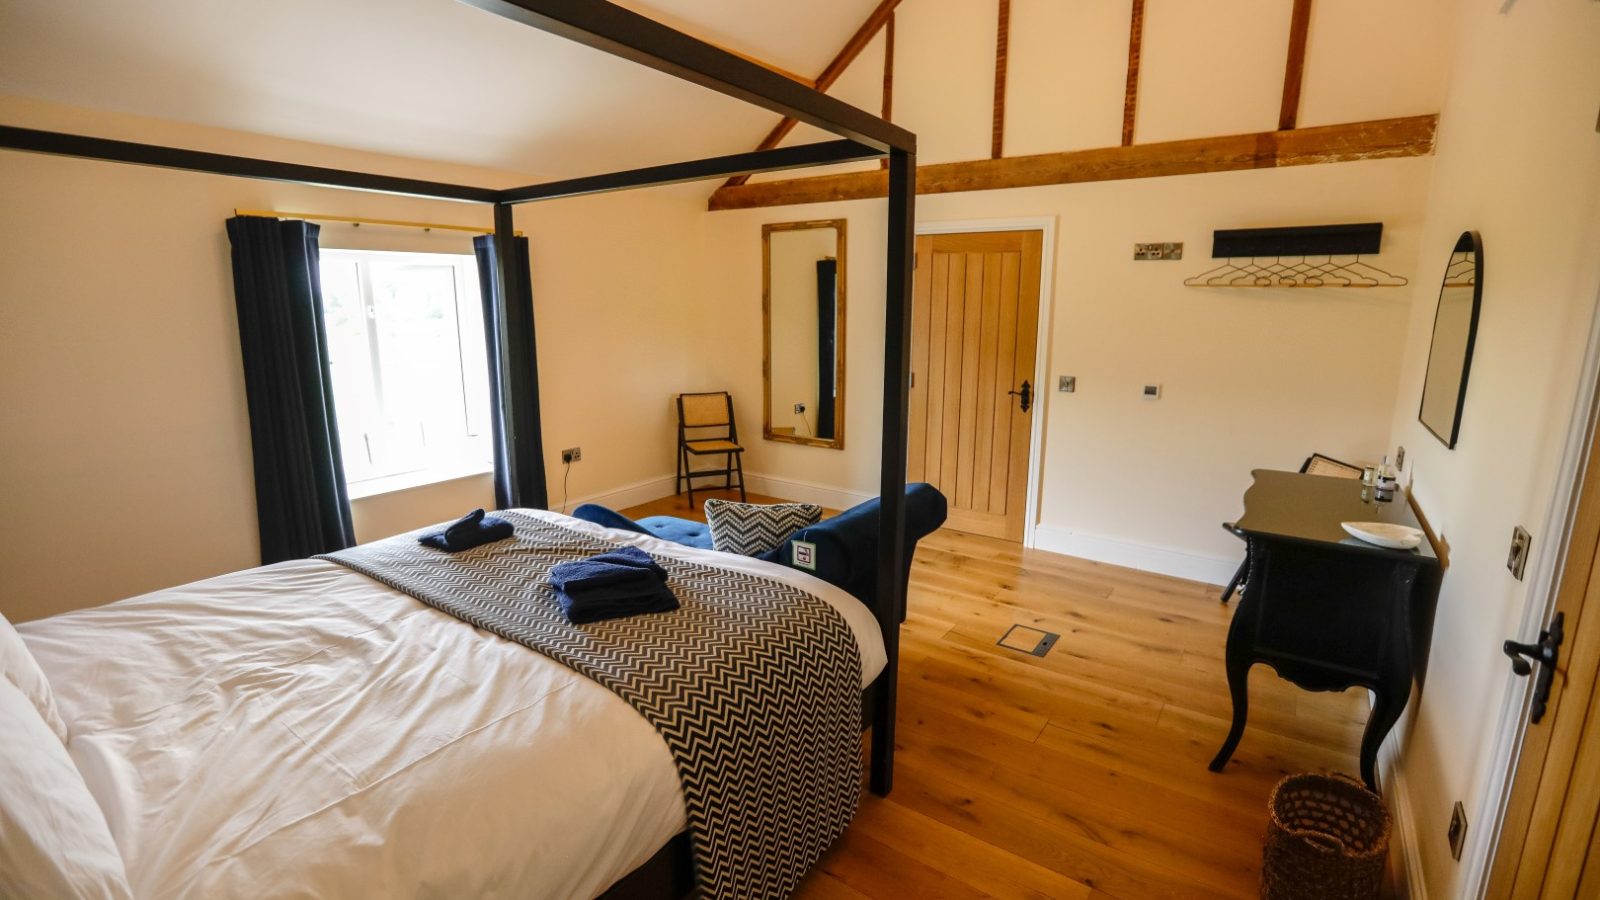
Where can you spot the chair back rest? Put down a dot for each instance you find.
(707, 410)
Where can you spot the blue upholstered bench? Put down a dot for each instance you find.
(847, 544)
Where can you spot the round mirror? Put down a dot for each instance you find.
(1455, 328)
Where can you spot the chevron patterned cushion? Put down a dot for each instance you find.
(751, 529)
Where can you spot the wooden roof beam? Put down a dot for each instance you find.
(841, 61)
(1294, 68)
(1380, 139)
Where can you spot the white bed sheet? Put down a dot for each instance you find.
(301, 730)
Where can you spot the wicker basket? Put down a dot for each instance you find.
(1327, 840)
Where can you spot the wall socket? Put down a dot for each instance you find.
(1067, 384)
(1158, 251)
(572, 454)
(1458, 831)
(799, 409)
(1517, 559)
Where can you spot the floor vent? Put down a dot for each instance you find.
(1028, 640)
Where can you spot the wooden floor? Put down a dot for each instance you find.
(1081, 774)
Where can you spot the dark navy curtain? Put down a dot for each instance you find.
(513, 385)
(827, 313)
(302, 505)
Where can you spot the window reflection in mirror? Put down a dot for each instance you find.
(803, 320)
(1455, 327)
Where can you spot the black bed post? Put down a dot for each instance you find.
(891, 525)
(525, 470)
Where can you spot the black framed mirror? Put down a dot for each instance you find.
(1455, 330)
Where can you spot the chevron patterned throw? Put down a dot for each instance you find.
(754, 685)
(752, 529)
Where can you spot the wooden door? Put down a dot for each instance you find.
(974, 326)
(1550, 843)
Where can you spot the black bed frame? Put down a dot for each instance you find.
(620, 32)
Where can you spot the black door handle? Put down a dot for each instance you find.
(1025, 395)
(1547, 652)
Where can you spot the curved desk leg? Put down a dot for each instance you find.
(1239, 686)
(1386, 711)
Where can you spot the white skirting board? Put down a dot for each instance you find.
(1146, 557)
(617, 498)
(1404, 862)
(804, 491)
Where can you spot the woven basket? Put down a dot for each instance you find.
(1327, 840)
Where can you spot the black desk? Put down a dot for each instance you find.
(1325, 610)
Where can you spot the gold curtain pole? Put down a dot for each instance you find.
(356, 220)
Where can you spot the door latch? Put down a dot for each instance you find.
(1547, 652)
(1024, 396)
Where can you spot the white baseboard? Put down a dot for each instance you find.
(1404, 848)
(804, 491)
(1145, 557)
(621, 497)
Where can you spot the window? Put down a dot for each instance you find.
(410, 376)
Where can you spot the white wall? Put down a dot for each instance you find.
(1519, 161)
(125, 460)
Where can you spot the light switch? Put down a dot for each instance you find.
(1152, 392)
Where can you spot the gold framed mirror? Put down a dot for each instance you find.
(802, 317)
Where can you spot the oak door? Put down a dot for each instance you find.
(974, 327)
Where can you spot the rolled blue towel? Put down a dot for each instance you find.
(471, 530)
(620, 565)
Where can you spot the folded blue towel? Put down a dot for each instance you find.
(471, 530)
(621, 582)
(616, 600)
(620, 565)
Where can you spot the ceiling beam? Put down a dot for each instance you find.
(56, 143)
(773, 160)
(628, 35)
(1294, 68)
(841, 61)
(1002, 40)
(1380, 139)
(1130, 94)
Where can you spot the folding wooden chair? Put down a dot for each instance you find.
(699, 413)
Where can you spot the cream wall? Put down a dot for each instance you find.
(125, 459)
(1519, 161)
(1251, 377)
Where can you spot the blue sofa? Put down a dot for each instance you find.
(847, 544)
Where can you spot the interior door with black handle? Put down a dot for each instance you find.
(1547, 653)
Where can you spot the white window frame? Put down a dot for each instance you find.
(472, 358)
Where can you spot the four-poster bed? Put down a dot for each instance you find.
(628, 35)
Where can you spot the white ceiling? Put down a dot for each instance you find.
(430, 79)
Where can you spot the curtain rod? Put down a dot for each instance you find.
(357, 220)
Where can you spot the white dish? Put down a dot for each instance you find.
(1384, 534)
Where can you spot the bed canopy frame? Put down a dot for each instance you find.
(631, 36)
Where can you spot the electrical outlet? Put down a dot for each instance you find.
(1158, 251)
(1400, 457)
(1458, 831)
(799, 409)
(572, 454)
(1517, 559)
(1067, 384)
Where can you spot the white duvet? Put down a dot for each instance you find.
(300, 730)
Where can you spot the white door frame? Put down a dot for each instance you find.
(1041, 362)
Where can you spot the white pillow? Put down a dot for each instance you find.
(53, 838)
(21, 669)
